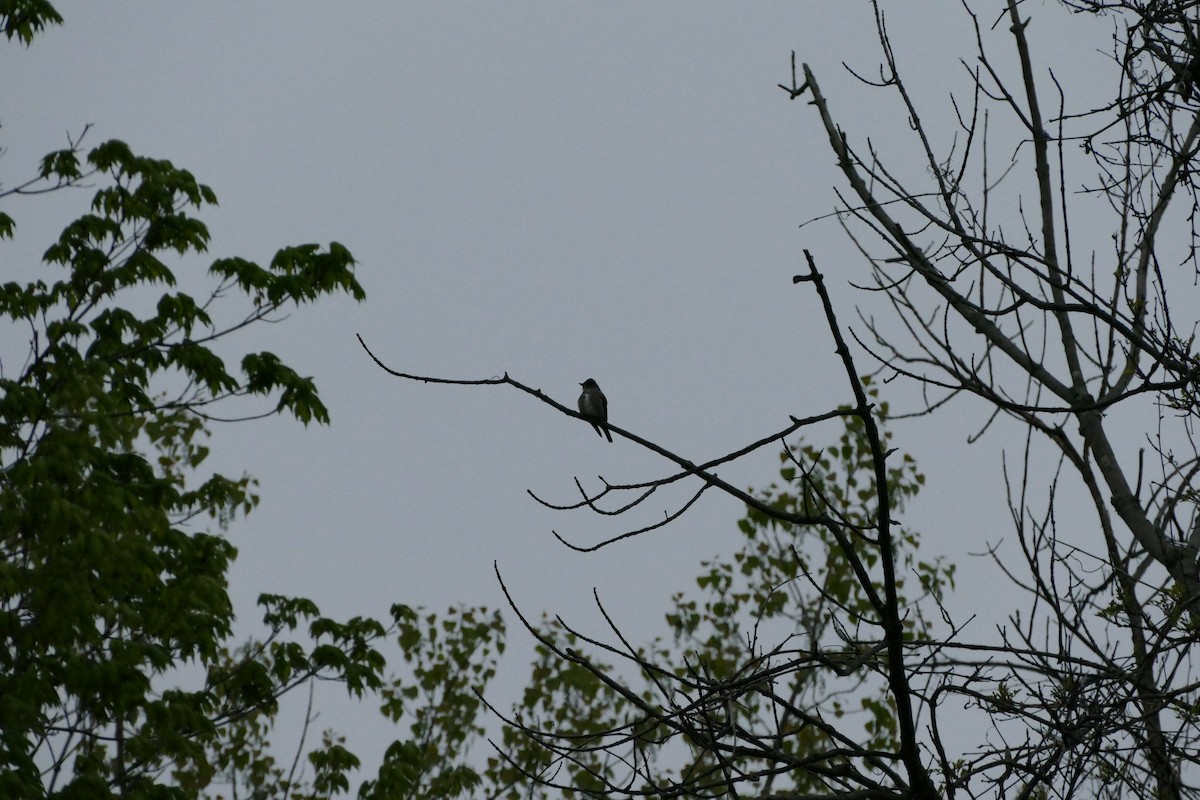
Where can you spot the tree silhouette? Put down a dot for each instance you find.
(1000, 299)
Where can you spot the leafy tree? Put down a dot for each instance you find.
(451, 658)
(118, 673)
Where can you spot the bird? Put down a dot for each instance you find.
(594, 407)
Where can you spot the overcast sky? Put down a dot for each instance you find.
(553, 190)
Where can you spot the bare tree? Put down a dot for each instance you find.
(740, 709)
(1089, 689)
(1093, 685)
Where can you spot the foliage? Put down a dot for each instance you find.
(23, 19)
(453, 659)
(119, 675)
(109, 582)
(453, 656)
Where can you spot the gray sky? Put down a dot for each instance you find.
(554, 190)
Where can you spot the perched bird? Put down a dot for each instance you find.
(594, 407)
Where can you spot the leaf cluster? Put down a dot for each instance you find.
(117, 674)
